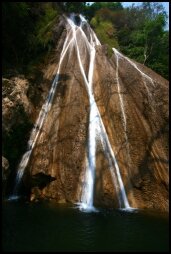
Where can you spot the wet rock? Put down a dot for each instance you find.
(62, 201)
(14, 98)
(36, 194)
(37, 183)
(5, 169)
(41, 180)
(58, 29)
(5, 174)
(77, 20)
(133, 104)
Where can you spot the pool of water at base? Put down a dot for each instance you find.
(47, 226)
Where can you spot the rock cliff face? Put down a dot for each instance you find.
(132, 102)
(5, 174)
(21, 100)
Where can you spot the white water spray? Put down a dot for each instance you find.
(39, 123)
(145, 76)
(122, 105)
(96, 129)
(96, 126)
(87, 197)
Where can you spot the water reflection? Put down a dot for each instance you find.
(51, 227)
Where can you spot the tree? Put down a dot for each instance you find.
(76, 7)
(153, 32)
(141, 34)
(26, 32)
(16, 27)
(90, 11)
(104, 28)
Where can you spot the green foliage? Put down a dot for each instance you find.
(105, 30)
(43, 30)
(15, 31)
(151, 10)
(159, 60)
(106, 33)
(76, 7)
(91, 10)
(27, 32)
(138, 31)
(142, 36)
(134, 52)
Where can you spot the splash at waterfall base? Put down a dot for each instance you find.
(102, 132)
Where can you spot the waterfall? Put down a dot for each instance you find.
(122, 105)
(96, 129)
(87, 197)
(144, 76)
(39, 123)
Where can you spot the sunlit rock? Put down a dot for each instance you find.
(102, 132)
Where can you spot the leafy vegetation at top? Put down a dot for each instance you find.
(26, 32)
(137, 31)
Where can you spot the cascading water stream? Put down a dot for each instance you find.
(87, 197)
(96, 126)
(39, 123)
(145, 77)
(122, 106)
(136, 67)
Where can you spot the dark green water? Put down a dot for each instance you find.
(51, 227)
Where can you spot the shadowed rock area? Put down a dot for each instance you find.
(133, 104)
